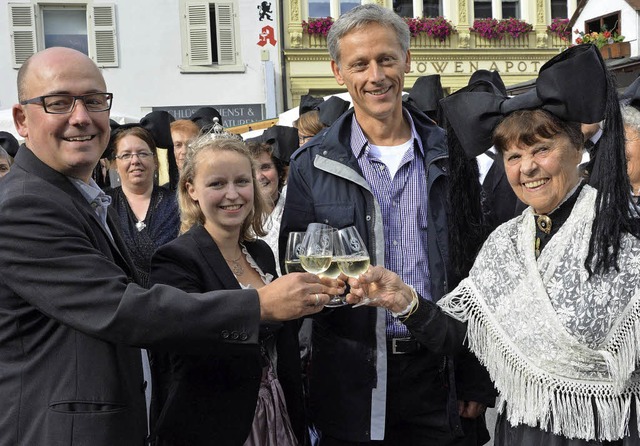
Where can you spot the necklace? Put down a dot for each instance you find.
(140, 225)
(236, 268)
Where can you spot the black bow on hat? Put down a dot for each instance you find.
(631, 95)
(489, 76)
(9, 143)
(331, 109)
(572, 86)
(308, 103)
(283, 141)
(426, 93)
(157, 123)
(203, 117)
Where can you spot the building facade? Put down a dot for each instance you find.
(454, 58)
(175, 55)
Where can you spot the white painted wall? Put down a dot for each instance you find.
(149, 43)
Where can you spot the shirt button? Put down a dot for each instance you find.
(395, 243)
(368, 218)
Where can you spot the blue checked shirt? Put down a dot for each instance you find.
(403, 202)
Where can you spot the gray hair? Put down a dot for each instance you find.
(631, 117)
(361, 16)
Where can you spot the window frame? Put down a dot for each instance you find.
(600, 20)
(27, 30)
(195, 30)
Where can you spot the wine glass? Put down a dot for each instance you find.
(292, 253)
(353, 257)
(317, 248)
(333, 272)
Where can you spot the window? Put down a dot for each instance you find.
(482, 9)
(319, 8)
(348, 5)
(610, 22)
(210, 40)
(510, 8)
(559, 9)
(423, 8)
(65, 27)
(431, 8)
(404, 8)
(86, 27)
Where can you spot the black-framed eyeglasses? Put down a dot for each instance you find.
(128, 156)
(59, 104)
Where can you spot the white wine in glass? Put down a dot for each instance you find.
(353, 257)
(317, 248)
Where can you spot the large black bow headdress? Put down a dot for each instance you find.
(157, 123)
(572, 86)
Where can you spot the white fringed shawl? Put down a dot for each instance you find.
(562, 350)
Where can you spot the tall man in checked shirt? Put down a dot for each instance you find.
(383, 168)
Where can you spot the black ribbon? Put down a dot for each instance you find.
(157, 123)
(572, 86)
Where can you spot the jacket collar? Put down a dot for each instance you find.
(335, 140)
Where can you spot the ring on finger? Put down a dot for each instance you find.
(317, 300)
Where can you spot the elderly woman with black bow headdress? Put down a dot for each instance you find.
(551, 305)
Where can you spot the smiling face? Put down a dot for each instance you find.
(267, 176)
(70, 143)
(372, 66)
(223, 188)
(543, 173)
(135, 172)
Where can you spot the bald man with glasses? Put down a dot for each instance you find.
(72, 318)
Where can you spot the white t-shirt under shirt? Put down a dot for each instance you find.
(391, 156)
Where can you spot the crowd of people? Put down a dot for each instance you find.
(504, 266)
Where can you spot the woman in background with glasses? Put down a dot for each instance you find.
(148, 213)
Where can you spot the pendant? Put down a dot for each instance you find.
(236, 268)
(544, 223)
(140, 225)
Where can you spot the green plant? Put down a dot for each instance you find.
(599, 39)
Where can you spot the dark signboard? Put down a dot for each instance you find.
(232, 115)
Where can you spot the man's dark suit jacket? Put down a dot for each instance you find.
(212, 399)
(71, 317)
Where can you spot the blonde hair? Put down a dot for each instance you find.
(190, 212)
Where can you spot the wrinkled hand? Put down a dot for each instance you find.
(470, 409)
(384, 286)
(295, 295)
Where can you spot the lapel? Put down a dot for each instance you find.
(211, 254)
(27, 160)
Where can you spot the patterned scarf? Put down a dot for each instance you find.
(561, 348)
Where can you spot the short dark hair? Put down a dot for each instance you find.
(527, 127)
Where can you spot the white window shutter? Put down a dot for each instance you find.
(23, 32)
(104, 42)
(226, 34)
(199, 34)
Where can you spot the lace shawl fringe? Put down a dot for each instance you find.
(535, 399)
